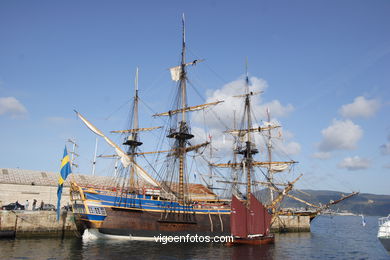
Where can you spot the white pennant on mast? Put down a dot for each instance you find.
(175, 73)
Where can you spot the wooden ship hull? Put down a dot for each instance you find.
(146, 216)
(146, 224)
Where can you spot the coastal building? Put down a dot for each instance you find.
(21, 185)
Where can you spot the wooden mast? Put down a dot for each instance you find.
(181, 131)
(269, 149)
(135, 126)
(183, 127)
(248, 151)
(132, 140)
(182, 134)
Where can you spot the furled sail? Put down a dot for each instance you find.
(136, 130)
(279, 168)
(125, 159)
(194, 108)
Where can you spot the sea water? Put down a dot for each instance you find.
(332, 237)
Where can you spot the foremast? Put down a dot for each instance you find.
(132, 141)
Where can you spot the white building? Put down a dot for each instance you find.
(21, 185)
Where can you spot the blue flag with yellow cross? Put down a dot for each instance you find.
(65, 171)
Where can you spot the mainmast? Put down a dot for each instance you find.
(183, 76)
(182, 133)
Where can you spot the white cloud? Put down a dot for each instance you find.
(11, 106)
(354, 163)
(290, 148)
(361, 107)
(341, 135)
(277, 109)
(322, 155)
(221, 117)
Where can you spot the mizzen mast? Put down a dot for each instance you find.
(269, 151)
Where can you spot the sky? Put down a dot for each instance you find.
(323, 67)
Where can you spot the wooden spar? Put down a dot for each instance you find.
(303, 201)
(194, 62)
(236, 165)
(249, 94)
(196, 147)
(343, 198)
(187, 109)
(282, 194)
(188, 149)
(136, 130)
(253, 182)
(307, 194)
(268, 183)
(256, 129)
(114, 155)
(336, 201)
(320, 208)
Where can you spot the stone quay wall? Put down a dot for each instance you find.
(291, 224)
(21, 223)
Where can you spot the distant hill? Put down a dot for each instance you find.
(363, 203)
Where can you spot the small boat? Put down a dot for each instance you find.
(384, 232)
(250, 222)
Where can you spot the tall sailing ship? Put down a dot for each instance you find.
(141, 206)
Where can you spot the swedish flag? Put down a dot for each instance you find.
(65, 171)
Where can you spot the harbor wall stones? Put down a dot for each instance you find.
(291, 224)
(22, 223)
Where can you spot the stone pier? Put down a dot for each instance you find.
(291, 224)
(20, 223)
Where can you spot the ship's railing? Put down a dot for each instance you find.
(200, 205)
(383, 220)
(141, 190)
